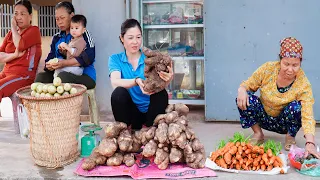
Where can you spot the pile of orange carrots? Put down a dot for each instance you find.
(242, 155)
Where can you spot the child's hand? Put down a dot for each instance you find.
(63, 46)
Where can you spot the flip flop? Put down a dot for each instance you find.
(288, 143)
(255, 141)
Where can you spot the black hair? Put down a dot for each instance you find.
(67, 5)
(127, 24)
(78, 18)
(27, 4)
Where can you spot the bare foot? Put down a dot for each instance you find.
(289, 140)
(257, 138)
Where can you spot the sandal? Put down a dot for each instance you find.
(288, 143)
(255, 141)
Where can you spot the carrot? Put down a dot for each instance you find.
(258, 167)
(248, 151)
(244, 167)
(249, 156)
(261, 162)
(254, 155)
(255, 149)
(227, 158)
(241, 161)
(254, 168)
(240, 150)
(269, 153)
(238, 156)
(276, 164)
(279, 161)
(281, 171)
(238, 144)
(244, 148)
(249, 145)
(223, 163)
(250, 161)
(270, 167)
(245, 159)
(255, 163)
(221, 152)
(233, 150)
(259, 158)
(265, 158)
(238, 166)
(272, 160)
(263, 167)
(243, 143)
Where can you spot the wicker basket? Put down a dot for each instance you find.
(54, 123)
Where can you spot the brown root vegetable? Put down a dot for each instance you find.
(161, 133)
(162, 159)
(150, 149)
(171, 117)
(174, 131)
(128, 159)
(170, 108)
(160, 117)
(108, 147)
(113, 129)
(150, 133)
(135, 147)
(190, 133)
(195, 159)
(182, 120)
(197, 145)
(182, 109)
(154, 63)
(115, 160)
(125, 140)
(199, 162)
(181, 141)
(88, 164)
(188, 154)
(100, 160)
(175, 155)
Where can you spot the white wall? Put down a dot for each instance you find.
(104, 20)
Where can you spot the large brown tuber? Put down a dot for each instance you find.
(175, 155)
(150, 149)
(115, 160)
(174, 131)
(108, 147)
(161, 133)
(154, 63)
(112, 130)
(182, 109)
(128, 159)
(125, 140)
(162, 159)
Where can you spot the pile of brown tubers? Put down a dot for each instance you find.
(169, 140)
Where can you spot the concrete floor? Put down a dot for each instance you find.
(16, 161)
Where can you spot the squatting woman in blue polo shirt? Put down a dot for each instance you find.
(130, 103)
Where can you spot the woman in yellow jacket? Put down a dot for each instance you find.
(286, 100)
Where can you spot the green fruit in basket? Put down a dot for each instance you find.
(34, 86)
(33, 93)
(67, 86)
(65, 93)
(57, 81)
(49, 95)
(73, 90)
(52, 89)
(56, 95)
(60, 89)
(45, 88)
(43, 94)
(39, 88)
(37, 95)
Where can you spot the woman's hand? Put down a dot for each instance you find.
(167, 77)
(243, 98)
(311, 149)
(57, 65)
(63, 46)
(141, 85)
(18, 54)
(14, 23)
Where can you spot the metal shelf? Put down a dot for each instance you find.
(187, 58)
(187, 101)
(169, 1)
(171, 26)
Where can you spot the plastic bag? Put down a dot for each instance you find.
(23, 121)
(308, 167)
